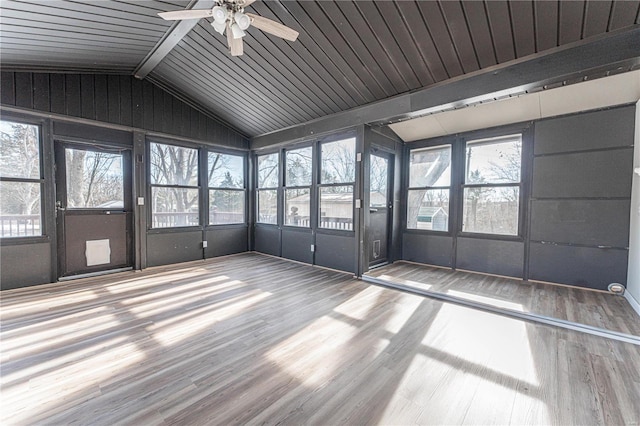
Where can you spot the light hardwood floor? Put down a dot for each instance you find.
(250, 339)
(597, 309)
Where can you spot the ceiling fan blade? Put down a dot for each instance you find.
(273, 27)
(177, 15)
(235, 44)
(247, 3)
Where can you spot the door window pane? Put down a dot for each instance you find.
(267, 206)
(336, 207)
(172, 207)
(19, 150)
(20, 209)
(378, 179)
(268, 171)
(491, 210)
(428, 209)
(173, 165)
(225, 170)
(226, 206)
(297, 205)
(298, 171)
(94, 179)
(494, 161)
(430, 167)
(338, 161)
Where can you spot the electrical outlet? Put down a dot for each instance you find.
(141, 201)
(204, 244)
(313, 248)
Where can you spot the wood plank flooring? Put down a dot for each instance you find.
(251, 339)
(583, 306)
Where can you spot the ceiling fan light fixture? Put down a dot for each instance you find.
(218, 27)
(237, 31)
(220, 14)
(242, 20)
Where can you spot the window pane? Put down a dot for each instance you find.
(378, 179)
(226, 171)
(336, 207)
(94, 179)
(338, 161)
(226, 206)
(430, 167)
(428, 209)
(297, 204)
(268, 171)
(267, 206)
(494, 162)
(19, 150)
(298, 172)
(174, 165)
(491, 210)
(173, 207)
(19, 209)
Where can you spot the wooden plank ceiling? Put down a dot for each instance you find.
(349, 53)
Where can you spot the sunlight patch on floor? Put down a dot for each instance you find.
(492, 301)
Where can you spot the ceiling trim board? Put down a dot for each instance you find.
(171, 38)
(603, 53)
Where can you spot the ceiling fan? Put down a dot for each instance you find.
(229, 16)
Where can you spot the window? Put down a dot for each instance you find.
(227, 191)
(491, 190)
(297, 192)
(174, 186)
(267, 190)
(429, 188)
(95, 179)
(20, 180)
(337, 182)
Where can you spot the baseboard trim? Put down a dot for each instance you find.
(632, 301)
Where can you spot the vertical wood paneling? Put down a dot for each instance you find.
(500, 23)
(522, 18)
(158, 105)
(101, 98)
(596, 17)
(194, 123)
(113, 86)
(480, 33)
(546, 17)
(24, 90)
(460, 34)
(623, 14)
(125, 101)
(8, 88)
(147, 105)
(41, 92)
(202, 126)
(137, 112)
(438, 29)
(570, 21)
(57, 93)
(167, 112)
(87, 94)
(72, 95)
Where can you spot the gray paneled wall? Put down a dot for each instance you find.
(117, 99)
(581, 198)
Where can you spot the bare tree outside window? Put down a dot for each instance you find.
(267, 192)
(297, 192)
(174, 186)
(337, 182)
(94, 179)
(429, 188)
(492, 185)
(226, 188)
(20, 180)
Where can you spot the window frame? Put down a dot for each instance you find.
(44, 231)
(151, 186)
(521, 184)
(208, 188)
(450, 222)
(320, 185)
(259, 189)
(286, 187)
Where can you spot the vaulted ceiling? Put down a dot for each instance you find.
(348, 54)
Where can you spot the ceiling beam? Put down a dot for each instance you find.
(572, 62)
(171, 38)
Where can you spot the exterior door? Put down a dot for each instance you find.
(380, 205)
(93, 209)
